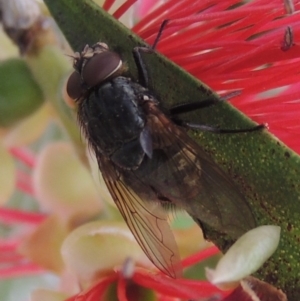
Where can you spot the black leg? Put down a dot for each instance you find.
(196, 105)
(192, 106)
(215, 130)
(142, 70)
(161, 29)
(185, 107)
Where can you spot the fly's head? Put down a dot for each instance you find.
(93, 66)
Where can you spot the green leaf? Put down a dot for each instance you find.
(20, 95)
(265, 170)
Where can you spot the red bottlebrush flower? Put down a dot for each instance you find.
(12, 263)
(130, 282)
(258, 46)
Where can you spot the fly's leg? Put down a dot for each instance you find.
(142, 69)
(160, 31)
(196, 105)
(211, 129)
(185, 107)
(144, 78)
(192, 106)
(189, 107)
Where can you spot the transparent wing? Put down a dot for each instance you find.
(191, 180)
(146, 220)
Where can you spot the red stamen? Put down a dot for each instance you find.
(13, 216)
(26, 188)
(179, 288)
(205, 287)
(121, 290)
(97, 291)
(123, 8)
(151, 18)
(224, 16)
(144, 7)
(8, 259)
(108, 4)
(24, 183)
(8, 245)
(200, 256)
(20, 271)
(166, 298)
(24, 155)
(9, 254)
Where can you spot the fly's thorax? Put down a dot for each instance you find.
(113, 119)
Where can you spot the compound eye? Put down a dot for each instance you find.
(100, 67)
(74, 88)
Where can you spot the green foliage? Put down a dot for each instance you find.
(20, 95)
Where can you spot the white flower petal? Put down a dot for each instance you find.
(245, 256)
(98, 247)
